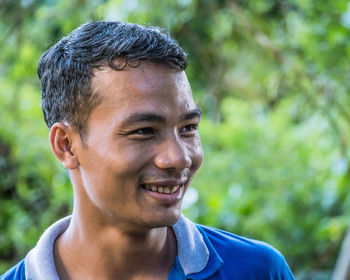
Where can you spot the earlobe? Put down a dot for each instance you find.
(61, 145)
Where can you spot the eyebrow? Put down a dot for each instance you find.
(143, 117)
(150, 117)
(196, 113)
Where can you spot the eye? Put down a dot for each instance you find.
(189, 130)
(142, 133)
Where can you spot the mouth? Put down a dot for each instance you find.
(167, 193)
(162, 189)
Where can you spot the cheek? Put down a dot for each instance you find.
(130, 160)
(196, 154)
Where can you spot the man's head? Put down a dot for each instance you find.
(66, 69)
(123, 88)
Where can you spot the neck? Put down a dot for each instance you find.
(101, 250)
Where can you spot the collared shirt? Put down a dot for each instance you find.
(203, 253)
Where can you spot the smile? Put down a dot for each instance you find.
(162, 189)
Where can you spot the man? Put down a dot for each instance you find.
(123, 123)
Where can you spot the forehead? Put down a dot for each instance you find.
(144, 87)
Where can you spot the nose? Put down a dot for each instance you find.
(172, 154)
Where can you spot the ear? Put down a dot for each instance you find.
(61, 136)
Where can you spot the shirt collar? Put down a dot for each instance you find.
(196, 255)
(39, 263)
(192, 251)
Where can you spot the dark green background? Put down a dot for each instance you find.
(272, 78)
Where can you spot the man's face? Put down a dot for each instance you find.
(142, 148)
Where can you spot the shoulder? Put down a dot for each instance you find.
(246, 257)
(15, 273)
(226, 242)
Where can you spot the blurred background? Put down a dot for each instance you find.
(272, 78)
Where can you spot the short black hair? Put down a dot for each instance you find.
(66, 69)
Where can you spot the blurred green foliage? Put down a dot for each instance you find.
(273, 80)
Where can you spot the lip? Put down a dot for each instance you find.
(165, 198)
(168, 183)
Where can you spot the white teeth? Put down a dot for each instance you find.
(162, 189)
(166, 190)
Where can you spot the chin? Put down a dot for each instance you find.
(164, 219)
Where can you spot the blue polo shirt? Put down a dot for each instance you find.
(203, 253)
